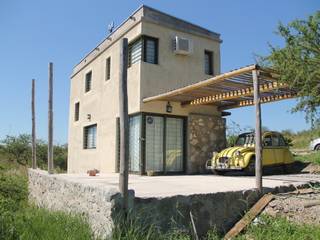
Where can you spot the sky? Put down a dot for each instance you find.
(33, 33)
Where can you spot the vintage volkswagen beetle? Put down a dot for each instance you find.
(242, 155)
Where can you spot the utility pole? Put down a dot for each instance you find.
(124, 124)
(258, 135)
(34, 151)
(50, 121)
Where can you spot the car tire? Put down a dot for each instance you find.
(217, 172)
(317, 147)
(251, 168)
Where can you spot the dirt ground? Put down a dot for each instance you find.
(301, 206)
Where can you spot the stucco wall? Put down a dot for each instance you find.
(206, 134)
(144, 79)
(103, 104)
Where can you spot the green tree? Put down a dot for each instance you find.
(298, 62)
(17, 148)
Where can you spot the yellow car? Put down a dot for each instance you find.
(242, 155)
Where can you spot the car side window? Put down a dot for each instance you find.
(282, 142)
(267, 141)
(275, 140)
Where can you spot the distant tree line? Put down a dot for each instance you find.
(18, 149)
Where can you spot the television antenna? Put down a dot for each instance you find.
(111, 27)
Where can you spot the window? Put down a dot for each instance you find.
(76, 111)
(89, 136)
(88, 81)
(108, 68)
(208, 62)
(145, 48)
(275, 140)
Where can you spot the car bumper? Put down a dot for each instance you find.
(222, 167)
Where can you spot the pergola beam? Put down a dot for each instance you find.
(244, 92)
(268, 99)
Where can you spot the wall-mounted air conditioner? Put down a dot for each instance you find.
(182, 46)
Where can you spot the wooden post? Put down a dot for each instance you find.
(124, 124)
(34, 151)
(50, 121)
(258, 136)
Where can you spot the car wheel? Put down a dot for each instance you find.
(317, 147)
(251, 168)
(217, 172)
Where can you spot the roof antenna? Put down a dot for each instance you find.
(111, 27)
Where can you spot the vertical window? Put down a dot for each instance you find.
(76, 111)
(145, 48)
(135, 51)
(90, 136)
(151, 50)
(108, 68)
(88, 81)
(208, 62)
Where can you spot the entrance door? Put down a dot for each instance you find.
(154, 143)
(134, 143)
(164, 144)
(174, 144)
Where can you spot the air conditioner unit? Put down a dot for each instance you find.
(182, 46)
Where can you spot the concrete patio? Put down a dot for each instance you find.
(167, 186)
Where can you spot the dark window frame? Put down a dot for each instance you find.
(85, 136)
(76, 111)
(144, 39)
(143, 142)
(88, 82)
(210, 55)
(108, 68)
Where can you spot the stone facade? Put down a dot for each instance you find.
(206, 134)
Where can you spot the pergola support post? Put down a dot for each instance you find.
(258, 135)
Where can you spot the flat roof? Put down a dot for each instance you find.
(147, 14)
(230, 90)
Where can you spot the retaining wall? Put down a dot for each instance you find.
(100, 204)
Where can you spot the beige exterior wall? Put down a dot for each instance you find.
(144, 80)
(102, 103)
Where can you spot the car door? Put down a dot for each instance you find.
(280, 148)
(267, 151)
(286, 155)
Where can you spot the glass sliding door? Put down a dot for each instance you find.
(154, 143)
(174, 144)
(134, 143)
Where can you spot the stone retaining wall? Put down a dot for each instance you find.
(96, 204)
(100, 204)
(206, 134)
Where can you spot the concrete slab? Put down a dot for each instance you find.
(167, 186)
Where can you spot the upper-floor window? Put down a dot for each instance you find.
(90, 137)
(108, 68)
(208, 62)
(145, 48)
(76, 111)
(88, 81)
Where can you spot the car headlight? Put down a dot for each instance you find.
(237, 153)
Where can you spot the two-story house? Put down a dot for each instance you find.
(165, 53)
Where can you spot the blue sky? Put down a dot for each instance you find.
(32, 33)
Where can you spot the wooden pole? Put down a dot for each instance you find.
(34, 151)
(258, 136)
(124, 124)
(50, 121)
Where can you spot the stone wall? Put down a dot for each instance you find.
(100, 204)
(97, 204)
(206, 134)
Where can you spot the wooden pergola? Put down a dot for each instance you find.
(250, 85)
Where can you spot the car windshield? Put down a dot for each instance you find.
(246, 138)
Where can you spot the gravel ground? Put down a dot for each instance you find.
(302, 206)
